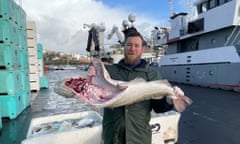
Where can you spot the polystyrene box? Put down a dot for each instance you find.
(165, 127)
(86, 135)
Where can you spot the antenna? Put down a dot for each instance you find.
(170, 2)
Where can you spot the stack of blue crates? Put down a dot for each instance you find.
(15, 93)
(43, 79)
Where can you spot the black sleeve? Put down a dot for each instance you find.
(160, 105)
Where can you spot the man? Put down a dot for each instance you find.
(130, 124)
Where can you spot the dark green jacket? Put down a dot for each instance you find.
(130, 124)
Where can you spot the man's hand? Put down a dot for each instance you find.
(179, 100)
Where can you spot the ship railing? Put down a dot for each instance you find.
(234, 35)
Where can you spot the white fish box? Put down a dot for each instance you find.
(34, 76)
(31, 34)
(70, 135)
(32, 59)
(31, 25)
(165, 127)
(34, 85)
(33, 68)
(31, 43)
(32, 51)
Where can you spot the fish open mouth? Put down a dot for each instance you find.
(97, 87)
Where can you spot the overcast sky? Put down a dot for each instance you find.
(59, 23)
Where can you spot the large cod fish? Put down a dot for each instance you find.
(100, 91)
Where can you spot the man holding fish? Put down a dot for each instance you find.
(128, 92)
(129, 124)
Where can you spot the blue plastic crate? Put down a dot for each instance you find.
(8, 10)
(0, 118)
(12, 105)
(24, 62)
(9, 57)
(39, 51)
(26, 98)
(25, 80)
(25, 83)
(8, 32)
(21, 19)
(44, 82)
(10, 82)
(22, 38)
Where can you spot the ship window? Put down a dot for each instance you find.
(212, 4)
(204, 7)
(226, 38)
(221, 2)
(196, 26)
(238, 11)
(213, 41)
(210, 72)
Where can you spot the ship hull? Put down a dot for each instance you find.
(223, 75)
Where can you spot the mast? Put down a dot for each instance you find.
(170, 2)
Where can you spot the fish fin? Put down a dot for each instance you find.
(137, 80)
(62, 90)
(134, 81)
(163, 82)
(122, 87)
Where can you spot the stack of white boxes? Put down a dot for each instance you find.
(33, 56)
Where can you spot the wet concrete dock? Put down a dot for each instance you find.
(213, 118)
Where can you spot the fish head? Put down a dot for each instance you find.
(98, 73)
(97, 87)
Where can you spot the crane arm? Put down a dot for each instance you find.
(118, 33)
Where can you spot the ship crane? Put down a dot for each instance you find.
(95, 38)
(127, 28)
(115, 30)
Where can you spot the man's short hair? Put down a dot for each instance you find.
(136, 34)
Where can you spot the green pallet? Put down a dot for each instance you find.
(9, 57)
(8, 10)
(12, 105)
(8, 32)
(10, 82)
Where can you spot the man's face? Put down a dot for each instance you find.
(133, 50)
